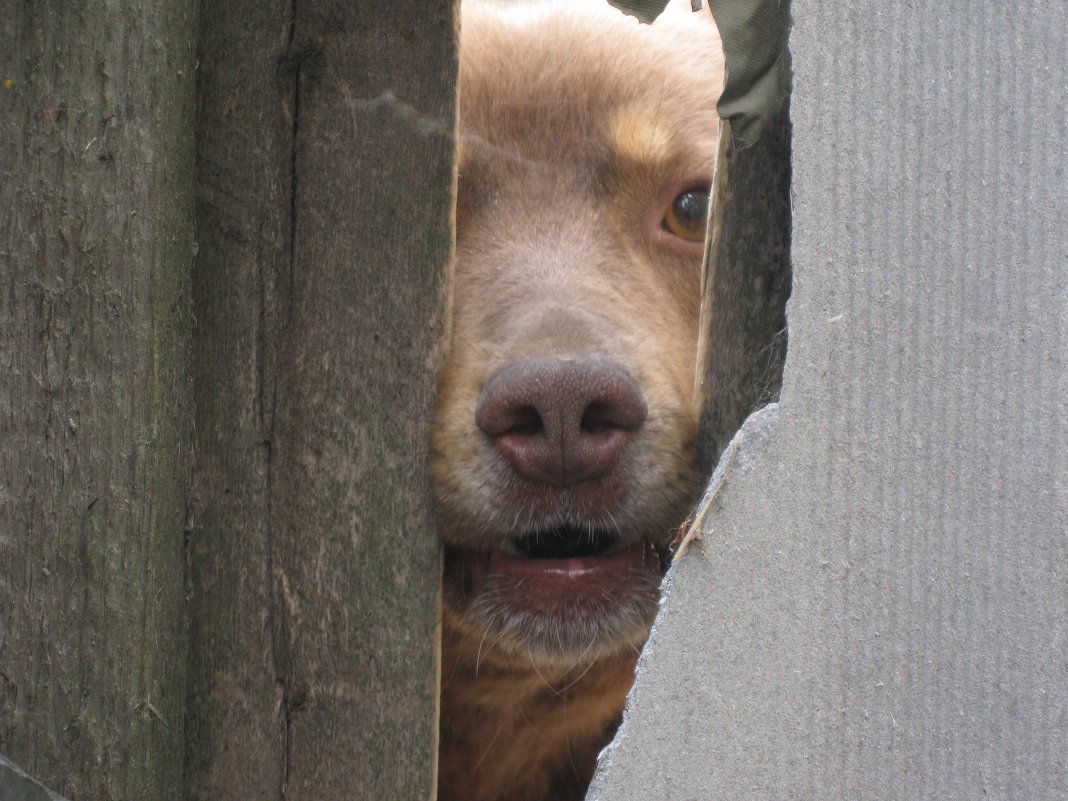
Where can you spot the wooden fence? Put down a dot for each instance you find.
(288, 360)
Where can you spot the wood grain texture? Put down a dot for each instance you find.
(356, 556)
(96, 168)
(237, 737)
(326, 143)
(746, 288)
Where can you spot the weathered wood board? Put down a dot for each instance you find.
(326, 139)
(96, 241)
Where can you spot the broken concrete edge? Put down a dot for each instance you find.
(741, 455)
(17, 785)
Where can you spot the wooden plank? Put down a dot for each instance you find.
(237, 738)
(95, 247)
(355, 552)
(747, 282)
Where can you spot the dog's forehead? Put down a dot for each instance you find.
(583, 84)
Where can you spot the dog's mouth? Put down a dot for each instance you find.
(560, 592)
(565, 542)
(564, 567)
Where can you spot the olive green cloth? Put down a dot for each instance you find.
(755, 36)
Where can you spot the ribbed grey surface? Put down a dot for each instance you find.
(881, 607)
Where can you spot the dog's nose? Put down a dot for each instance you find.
(561, 422)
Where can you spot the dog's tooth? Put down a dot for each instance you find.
(510, 548)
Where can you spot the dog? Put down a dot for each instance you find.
(562, 449)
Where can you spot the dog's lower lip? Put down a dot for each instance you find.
(573, 566)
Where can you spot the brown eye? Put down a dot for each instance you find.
(687, 214)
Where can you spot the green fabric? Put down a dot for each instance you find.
(755, 36)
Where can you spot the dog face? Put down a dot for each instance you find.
(563, 445)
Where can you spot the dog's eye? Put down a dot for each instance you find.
(686, 216)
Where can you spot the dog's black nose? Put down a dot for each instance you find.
(561, 422)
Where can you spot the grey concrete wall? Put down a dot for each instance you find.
(879, 606)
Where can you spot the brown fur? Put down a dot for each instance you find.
(578, 129)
